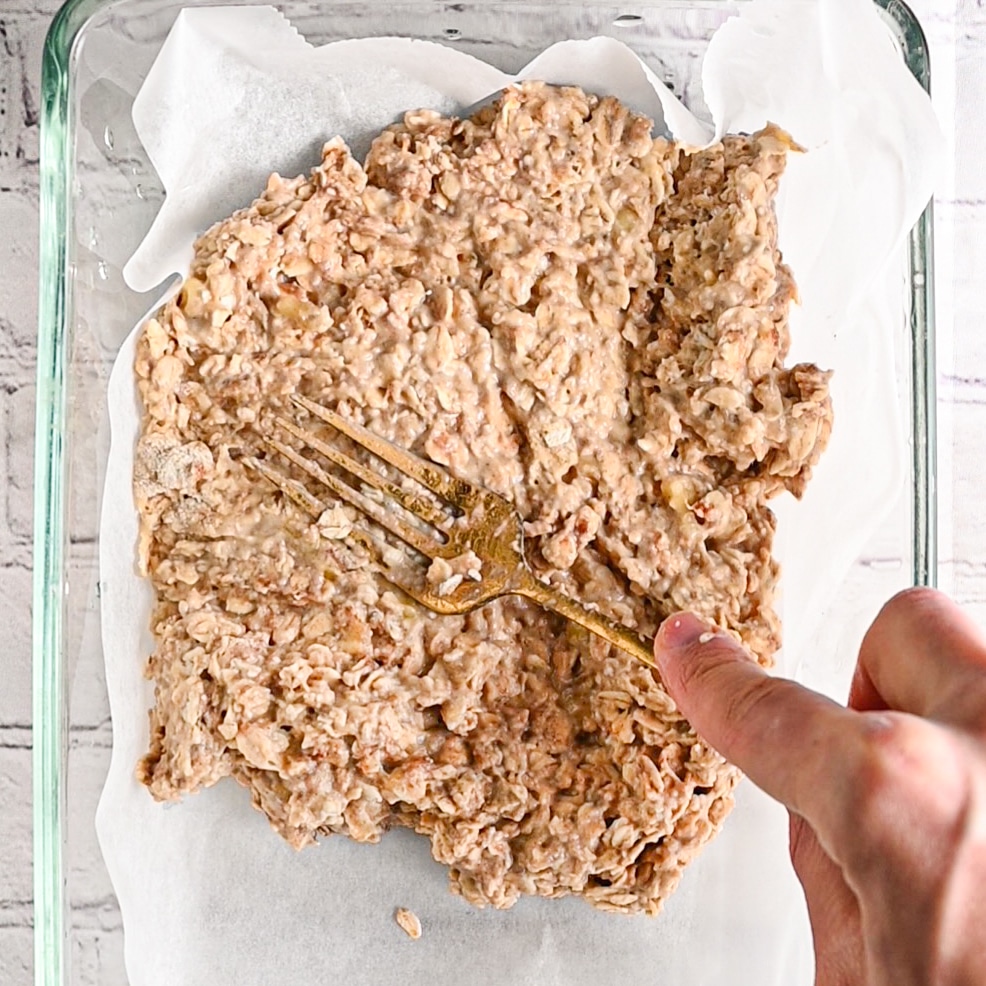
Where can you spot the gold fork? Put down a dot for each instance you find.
(488, 526)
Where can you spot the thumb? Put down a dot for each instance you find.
(781, 734)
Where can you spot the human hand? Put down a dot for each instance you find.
(887, 798)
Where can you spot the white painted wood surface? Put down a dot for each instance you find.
(957, 34)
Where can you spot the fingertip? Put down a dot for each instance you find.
(679, 631)
(924, 655)
(687, 650)
(682, 632)
(920, 611)
(912, 606)
(676, 637)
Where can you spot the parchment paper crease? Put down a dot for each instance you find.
(208, 893)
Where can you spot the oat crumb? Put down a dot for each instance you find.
(334, 524)
(409, 922)
(706, 637)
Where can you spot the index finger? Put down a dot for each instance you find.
(791, 741)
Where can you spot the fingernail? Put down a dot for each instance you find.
(679, 631)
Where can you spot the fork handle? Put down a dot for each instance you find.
(642, 648)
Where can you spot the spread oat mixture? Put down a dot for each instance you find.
(548, 301)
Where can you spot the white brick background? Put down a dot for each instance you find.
(23, 23)
(22, 30)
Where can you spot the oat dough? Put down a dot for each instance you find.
(547, 301)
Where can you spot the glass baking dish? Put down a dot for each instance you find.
(99, 195)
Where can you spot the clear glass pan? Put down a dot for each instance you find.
(98, 197)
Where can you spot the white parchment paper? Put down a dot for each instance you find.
(208, 893)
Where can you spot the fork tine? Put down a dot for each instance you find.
(428, 546)
(374, 544)
(426, 473)
(291, 488)
(402, 580)
(417, 505)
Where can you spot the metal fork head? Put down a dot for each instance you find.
(439, 516)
